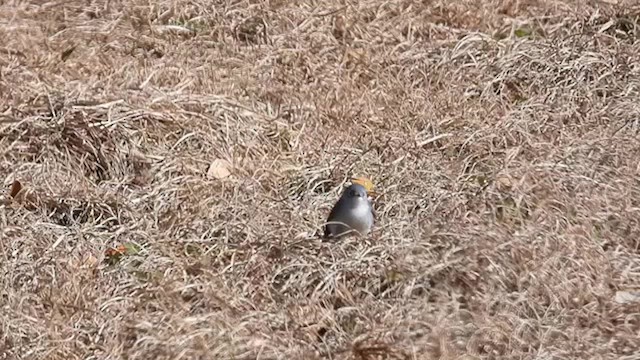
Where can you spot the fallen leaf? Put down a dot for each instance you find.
(28, 198)
(115, 254)
(116, 251)
(219, 169)
(15, 188)
(625, 297)
(65, 54)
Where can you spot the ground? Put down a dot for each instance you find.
(166, 164)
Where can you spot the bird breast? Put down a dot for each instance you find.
(361, 217)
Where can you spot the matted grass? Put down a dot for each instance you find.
(501, 136)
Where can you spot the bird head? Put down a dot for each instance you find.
(365, 184)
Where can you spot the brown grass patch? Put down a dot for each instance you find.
(502, 136)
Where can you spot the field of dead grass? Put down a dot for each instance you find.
(501, 135)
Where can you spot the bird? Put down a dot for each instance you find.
(352, 214)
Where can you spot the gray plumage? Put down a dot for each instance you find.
(352, 214)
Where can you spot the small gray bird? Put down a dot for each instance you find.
(352, 214)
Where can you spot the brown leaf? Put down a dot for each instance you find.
(15, 188)
(28, 198)
(115, 251)
(65, 54)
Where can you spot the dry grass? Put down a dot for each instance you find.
(502, 136)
